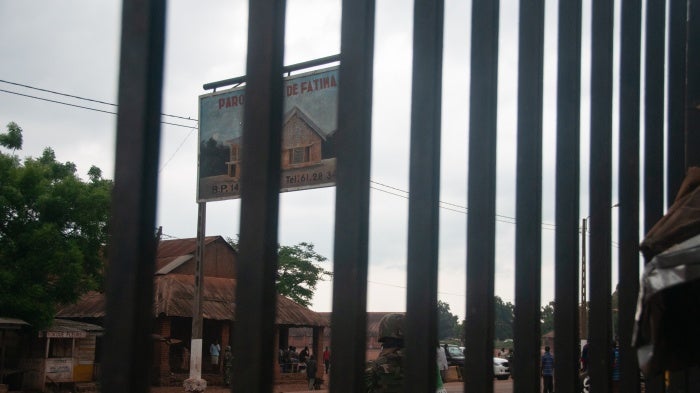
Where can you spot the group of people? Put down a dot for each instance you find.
(291, 361)
(215, 353)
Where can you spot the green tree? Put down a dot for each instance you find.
(504, 314)
(448, 325)
(298, 271)
(547, 318)
(52, 232)
(503, 320)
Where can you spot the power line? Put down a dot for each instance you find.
(444, 205)
(84, 107)
(176, 150)
(404, 287)
(465, 210)
(80, 98)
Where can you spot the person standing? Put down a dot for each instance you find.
(214, 351)
(327, 359)
(303, 355)
(385, 374)
(616, 368)
(311, 372)
(442, 362)
(228, 365)
(547, 370)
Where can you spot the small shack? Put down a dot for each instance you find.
(10, 332)
(63, 354)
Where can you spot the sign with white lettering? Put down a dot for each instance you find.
(309, 126)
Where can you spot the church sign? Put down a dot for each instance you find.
(308, 150)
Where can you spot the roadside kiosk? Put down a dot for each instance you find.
(63, 354)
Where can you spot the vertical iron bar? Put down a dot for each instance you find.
(423, 211)
(675, 168)
(692, 116)
(692, 130)
(654, 113)
(566, 285)
(129, 318)
(349, 321)
(481, 221)
(600, 195)
(528, 230)
(653, 128)
(628, 260)
(255, 293)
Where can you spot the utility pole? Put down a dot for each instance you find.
(195, 383)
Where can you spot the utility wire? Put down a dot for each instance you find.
(85, 107)
(81, 98)
(404, 287)
(504, 218)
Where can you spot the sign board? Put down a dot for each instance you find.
(59, 369)
(309, 126)
(64, 334)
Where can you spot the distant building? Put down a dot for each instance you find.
(173, 297)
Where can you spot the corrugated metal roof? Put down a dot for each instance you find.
(66, 325)
(90, 305)
(174, 294)
(169, 250)
(12, 323)
(174, 264)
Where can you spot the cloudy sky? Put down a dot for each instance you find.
(72, 47)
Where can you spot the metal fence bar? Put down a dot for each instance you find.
(566, 322)
(127, 342)
(600, 195)
(481, 221)
(692, 130)
(349, 319)
(262, 140)
(653, 129)
(675, 158)
(423, 208)
(654, 113)
(628, 191)
(528, 231)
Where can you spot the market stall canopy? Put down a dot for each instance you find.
(11, 323)
(64, 328)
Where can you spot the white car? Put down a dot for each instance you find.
(500, 368)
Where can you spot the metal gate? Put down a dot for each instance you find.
(129, 295)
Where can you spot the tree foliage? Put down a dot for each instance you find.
(547, 318)
(298, 271)
(504, 314)
(448, 324)
(52, 232)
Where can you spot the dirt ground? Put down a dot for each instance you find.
(222, 389)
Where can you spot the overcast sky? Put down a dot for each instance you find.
(72, 47)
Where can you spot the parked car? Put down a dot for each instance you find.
(500, 368)
(455, 356)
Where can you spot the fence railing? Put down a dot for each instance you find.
(129, 296)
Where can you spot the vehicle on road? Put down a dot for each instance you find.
(501, 370)
(454, 355)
